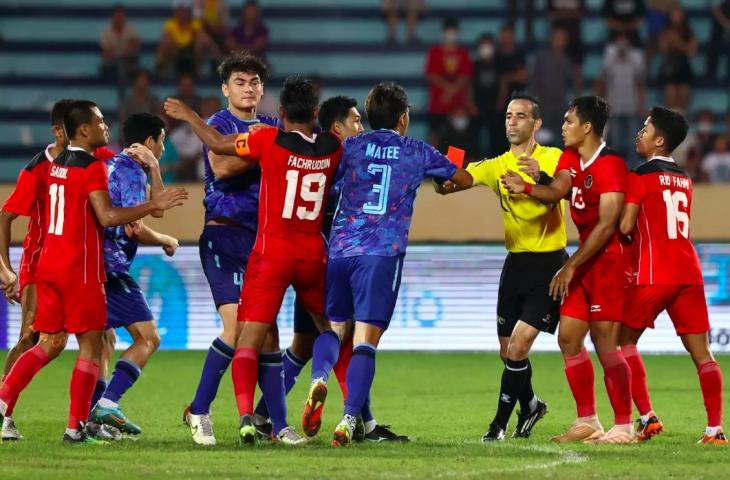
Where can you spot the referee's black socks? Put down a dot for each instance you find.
(515, 376)
(527, 395)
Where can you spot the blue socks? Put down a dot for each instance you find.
(126, 372)
(271, 383)
(367, 415)
(98, 392)
(292, 367)
(326, 351)
(216, 363)
(360, 375)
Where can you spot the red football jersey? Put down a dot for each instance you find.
(72, 248)
(26, 200)
(663, 252)
(296, 175)
(604, 173)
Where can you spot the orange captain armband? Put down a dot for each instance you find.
(242, 149)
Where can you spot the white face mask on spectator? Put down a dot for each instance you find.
(486, 51)
(460, 122)
(451, 37)
(704, 127)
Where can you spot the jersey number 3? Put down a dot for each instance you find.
(677, 220)
(305, 193)
(58, 204)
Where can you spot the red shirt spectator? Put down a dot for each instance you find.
(449, 70)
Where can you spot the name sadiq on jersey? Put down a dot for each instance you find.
(308, 163)
(59, 172)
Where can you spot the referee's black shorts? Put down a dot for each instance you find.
(523, 291)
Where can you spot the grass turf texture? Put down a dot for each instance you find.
(444, 401)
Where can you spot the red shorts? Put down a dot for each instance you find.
(25, 277)
(685, 304)
(73, 307)
(596, 293)
(267, 279)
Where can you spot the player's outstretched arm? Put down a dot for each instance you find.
(609, 213)
(148, 236)
(217, 143)
(110, 216)
(8, 278)
(628, 218)
(553, 193)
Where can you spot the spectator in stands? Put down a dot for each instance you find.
(214, 15)
(719, 40)
(250, 33)
(568, 14)
(698, 143)
(119, 43)
(184, 43)
(716, 164)
(553, 77)
(677, 44)
(705, 131)
(488, 123)
(512, 74)
(525, 10)
(623, 83)
(412, 9)
(624, 16)
(448, 71)
(190, 167)
(657, 18)
(187, 92)
(141, 99)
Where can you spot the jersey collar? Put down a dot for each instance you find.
(75, 149)
(311, 139)
(660, 157)
(584, 166)
(48, 152)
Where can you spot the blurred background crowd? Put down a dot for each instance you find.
(460, 61)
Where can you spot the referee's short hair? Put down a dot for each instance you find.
(536, 109)
(669, 124)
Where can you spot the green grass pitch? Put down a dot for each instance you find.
(444, 401)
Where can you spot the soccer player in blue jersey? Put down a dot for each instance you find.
(231, 209)
(129, 171)
(378, 178)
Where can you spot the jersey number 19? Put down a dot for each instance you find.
(305, 192)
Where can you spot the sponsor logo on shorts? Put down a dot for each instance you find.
(505, 398)
(589, 181)
(501, 320)
(595, 308)
(547, 318)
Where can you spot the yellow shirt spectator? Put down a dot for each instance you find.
(182, 35)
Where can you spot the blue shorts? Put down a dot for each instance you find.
(125, 303)
(363, 288)
(303, 322)
(224, 251)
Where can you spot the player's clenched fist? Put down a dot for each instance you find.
(9, 283)
(513, 182)
(172, 197)
(178, 110)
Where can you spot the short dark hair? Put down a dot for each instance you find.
(299, 99)
(241, 62)
(335, 109)
(385, 104)
(450, 23)
(140, 126)
(76, 114)
(669, 124)
(59, 108)
(536, 107)
(593, 109)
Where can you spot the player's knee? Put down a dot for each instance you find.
(151, 342)
(568, 345)
(518, 350)
(53, 344)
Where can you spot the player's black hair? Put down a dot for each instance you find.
(593, 109)
(335, 109)
(140, 126)
(536, 107)
(76, 114)
(59, 108)
(241, 62)
(118, 6)
(299, 99)
(486, 37)
(450, 23)
(385, 104)
(669, 124)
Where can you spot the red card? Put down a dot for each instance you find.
(456, 156)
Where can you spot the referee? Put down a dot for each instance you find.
(535, 238)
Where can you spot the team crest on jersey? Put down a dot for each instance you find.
(589, 181)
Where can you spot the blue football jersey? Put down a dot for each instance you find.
(127, 188)
(378, 178)
(235, 198)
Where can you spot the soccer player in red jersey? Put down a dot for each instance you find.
(71, 267)
(666, 270)
(23, 201)
(592, 281)
(297, 170)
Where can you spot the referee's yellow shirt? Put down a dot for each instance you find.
(529, 226)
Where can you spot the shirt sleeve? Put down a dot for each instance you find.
(437, 165)
(484, 172)
(23, 197)
(612, 176)
(467, 68)
(566, 160)
(432, 66)
(251, 145)
(635, 191)
(96, 177)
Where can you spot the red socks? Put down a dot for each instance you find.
(83, 383)
(340, 367)
(23, 371)
(711, 385)
(245, 372)
(579, 372)
(639, 388)
(617, 377)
